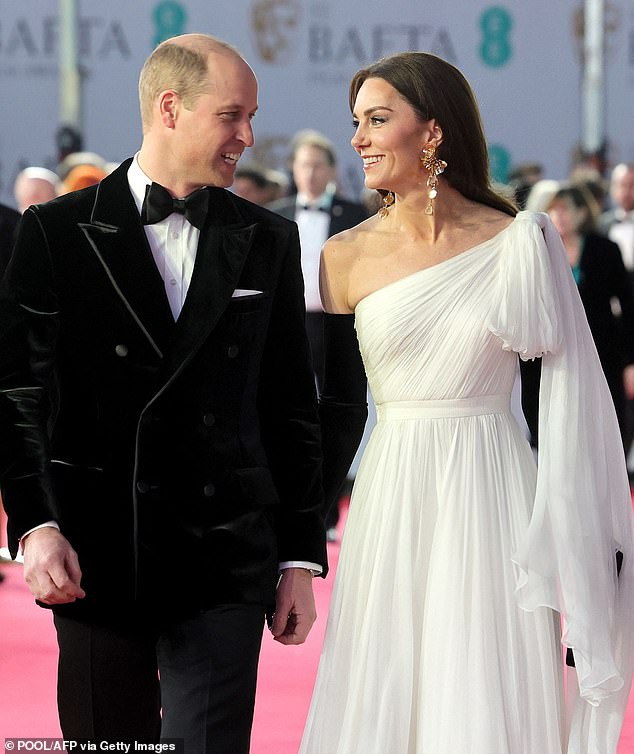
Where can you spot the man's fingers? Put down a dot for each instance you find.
(45, 590)
(297, 629)
(74, 573)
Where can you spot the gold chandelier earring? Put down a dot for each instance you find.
(435, 168)
(388, 201)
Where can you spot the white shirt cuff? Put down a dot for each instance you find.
(51, 524)
(314, 568)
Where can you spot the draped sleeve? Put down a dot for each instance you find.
(582, 512)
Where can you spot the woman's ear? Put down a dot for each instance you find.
(436, 131)
(432, 133)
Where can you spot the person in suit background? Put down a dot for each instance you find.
(9, 219)
(155, 378)
(617, 223)
(319, 213)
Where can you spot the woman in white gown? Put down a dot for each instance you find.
(459, 555)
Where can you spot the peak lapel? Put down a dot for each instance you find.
(117, 238)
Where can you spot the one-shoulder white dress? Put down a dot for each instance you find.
(442, 636)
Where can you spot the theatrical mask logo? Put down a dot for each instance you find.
(274, 24)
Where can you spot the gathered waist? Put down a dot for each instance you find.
(451, 407)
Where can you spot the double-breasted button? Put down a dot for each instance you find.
(233, 351)
(121, 350)
(142, 487)
(209, 490)
(209, 419)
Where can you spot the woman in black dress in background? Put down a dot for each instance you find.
(604, 288)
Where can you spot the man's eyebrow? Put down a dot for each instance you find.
(232, 107)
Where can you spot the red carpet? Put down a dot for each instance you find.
(28, 656)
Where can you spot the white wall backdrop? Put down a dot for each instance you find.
(522, 58)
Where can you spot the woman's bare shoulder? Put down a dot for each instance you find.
(338, 257)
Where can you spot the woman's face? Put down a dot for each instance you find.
(566, 217)
(389, 137)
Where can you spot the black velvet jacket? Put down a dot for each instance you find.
(181, 459)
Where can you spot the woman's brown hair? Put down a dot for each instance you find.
(437, 89)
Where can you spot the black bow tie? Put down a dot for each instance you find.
(315, 208)
(159, 203)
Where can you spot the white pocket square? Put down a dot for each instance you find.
(239, 292)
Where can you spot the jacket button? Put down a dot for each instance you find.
(233, 351)
(142, 487)
(121, 350)
(209, 490)
(209, 420)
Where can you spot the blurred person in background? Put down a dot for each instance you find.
(82, 176)
(604, 287)
(9, 219)
(75, 159)
(618, 222)
(35, 185)
(319, 212)
(522, 178)
(259, 185)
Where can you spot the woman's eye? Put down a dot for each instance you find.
(376, 120)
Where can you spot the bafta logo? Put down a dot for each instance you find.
(274, 24)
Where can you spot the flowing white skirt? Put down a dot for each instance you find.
(426, 649)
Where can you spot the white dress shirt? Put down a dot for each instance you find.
(622, 233)
(313, 223)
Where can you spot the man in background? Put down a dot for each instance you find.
(319, 213)
(618, 222)
(35, 185)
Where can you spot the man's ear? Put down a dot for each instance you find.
(168, 104)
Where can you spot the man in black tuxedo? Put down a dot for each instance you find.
(155, 380)
(319, 213)
(9, 219)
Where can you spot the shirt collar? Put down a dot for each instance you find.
(622, 216)
(323, 202)
(138, 182)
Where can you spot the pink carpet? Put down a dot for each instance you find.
(28, 656)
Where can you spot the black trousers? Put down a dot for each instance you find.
(109, 688)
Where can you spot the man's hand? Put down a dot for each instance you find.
(51, 567)
(294, 607)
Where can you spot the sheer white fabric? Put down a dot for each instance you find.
(441, 637)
